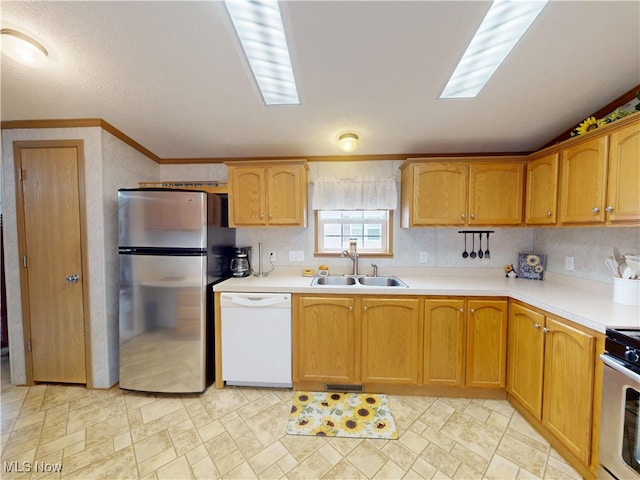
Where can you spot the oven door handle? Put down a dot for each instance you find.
(619, 367)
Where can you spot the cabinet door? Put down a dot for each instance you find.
(486, 343)
(325, 347)
(496, 194)
(526, 357)
(390, 340)
(568, 386)
(439, 194)
(247, 189)
(583, 168)
(444, 342)
(287, 195)
(542, 190)
(623, 199)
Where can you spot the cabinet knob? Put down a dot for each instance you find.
(609, 208)
(536, 325)
(473, 215)
(262, 215)
(365, 308)
(270, 216)
(549, 213)
(72, 278)
(473, 310)
(350, 308)
(462, 215)
(462, 310)
(595, 210)
(545, 330)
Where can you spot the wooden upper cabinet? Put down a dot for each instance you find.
(439, 194)
(268, 194)
(542, 190)
(462, 192)
(247, 189)
(623, 191)
(496, 193)
(583, 170)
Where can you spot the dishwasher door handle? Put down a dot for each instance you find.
(256, 300)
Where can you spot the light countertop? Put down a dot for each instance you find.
(592, 310)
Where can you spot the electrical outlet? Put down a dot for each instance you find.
(568, 263)
(423, 257)
(272, 257)
(296, 256)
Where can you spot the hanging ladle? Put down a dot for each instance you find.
(473, 246)
(465, 254)
(480, 252)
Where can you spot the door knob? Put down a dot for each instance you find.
(72, 278)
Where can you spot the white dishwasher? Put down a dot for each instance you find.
(256, 339)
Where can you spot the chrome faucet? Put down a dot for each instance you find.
(353, 254)
(375, 269)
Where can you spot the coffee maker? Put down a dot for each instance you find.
(241, 262)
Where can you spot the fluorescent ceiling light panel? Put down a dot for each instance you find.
(258, 24)
(503, 26)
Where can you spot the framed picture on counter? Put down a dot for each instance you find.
(531, 265)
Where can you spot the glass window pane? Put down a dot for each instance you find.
(369, 228)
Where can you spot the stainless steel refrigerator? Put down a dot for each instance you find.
(173, 246)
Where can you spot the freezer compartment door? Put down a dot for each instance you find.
(163, 323)
(162, 219)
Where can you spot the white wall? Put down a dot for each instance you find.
(589, 246)
(108, 162)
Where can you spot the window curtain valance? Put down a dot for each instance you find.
(365, 193)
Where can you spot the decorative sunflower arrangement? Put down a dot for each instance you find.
(591, 123)
(335, 414)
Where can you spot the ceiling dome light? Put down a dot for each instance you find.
(348, 142)
(22, 48)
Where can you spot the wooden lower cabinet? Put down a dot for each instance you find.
(444, 342)
(326, 343)
(351, 340)
(568, 385)
(465, 342)
(526, 358)
(391, 332)
(552, 377)
(487, 343)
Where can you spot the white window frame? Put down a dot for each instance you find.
(386, 248)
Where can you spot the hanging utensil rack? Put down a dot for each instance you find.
(474, 233)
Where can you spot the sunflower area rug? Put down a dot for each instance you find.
(336, 414)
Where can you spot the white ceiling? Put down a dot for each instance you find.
(171, 75)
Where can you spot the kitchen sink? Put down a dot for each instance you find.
(358, 281)
(381, 282)
(334, 280)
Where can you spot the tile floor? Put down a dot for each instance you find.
(238, 433)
